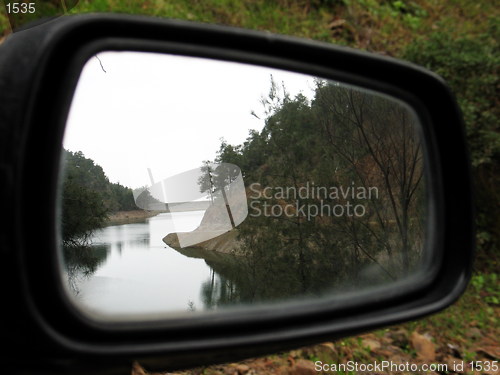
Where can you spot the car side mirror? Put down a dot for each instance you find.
(185, 194)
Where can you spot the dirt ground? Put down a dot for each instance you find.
(462, 339)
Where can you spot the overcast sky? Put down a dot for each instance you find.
(165, 112)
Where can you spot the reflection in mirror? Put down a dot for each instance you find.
(191, 184)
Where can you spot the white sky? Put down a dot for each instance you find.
(165, 112)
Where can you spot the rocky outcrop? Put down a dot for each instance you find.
(214, 232)
(226, 243)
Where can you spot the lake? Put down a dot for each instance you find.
(138, 273)
(128, 271)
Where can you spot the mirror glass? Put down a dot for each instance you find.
(190, 185)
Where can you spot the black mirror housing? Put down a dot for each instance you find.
(39, 69)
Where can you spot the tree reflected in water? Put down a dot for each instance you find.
(81, 261)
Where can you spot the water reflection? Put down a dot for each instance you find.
(129, 270)
(136, 272)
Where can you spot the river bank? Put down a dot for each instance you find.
(128, 217)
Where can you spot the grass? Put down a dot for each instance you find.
(376, 25)
(479, 307)
(259, 14)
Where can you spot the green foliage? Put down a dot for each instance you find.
(88, 198)
(476, 310)
(487, 286)
(82, 212)
(121, 198)
(300, 17)
(471, 66)
(341, 137)
(83, 208)
(4, 24)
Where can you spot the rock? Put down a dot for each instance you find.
(242, 369)
(474, 332)
(329, 346)
(371, 344)
(336, 23)
(137, 369)
(303, 367)
(231, 369)
(215, 232)
(226, 243)
(425, 348)
(172, 240)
